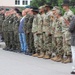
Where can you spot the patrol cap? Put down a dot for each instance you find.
(41, 7)
(65, 4)
(56, 8)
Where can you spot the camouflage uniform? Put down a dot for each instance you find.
(52, 32)
(5, 31)
(59, 39)
(66, 35)
(15, 30)
(26, 21)
(2, 17)
(29, 34)
(47, 37)
(10, 32)
(34, 31)
(39, 34)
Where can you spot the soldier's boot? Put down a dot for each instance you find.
(54, 58)
(59, 59)
(46, 56)
(41, 55)
(64, 59)
(68, 60)
(35, 55)
(6, 48)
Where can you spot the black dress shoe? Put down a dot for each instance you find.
(6, 48)
(30, 54)
(20, 51)
(72, 72)
(11, 49)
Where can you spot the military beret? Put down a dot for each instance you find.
(7, 9)
(28, 6)
(35, 9)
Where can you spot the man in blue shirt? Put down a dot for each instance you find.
(22, 36)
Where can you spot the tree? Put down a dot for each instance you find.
(37, 3)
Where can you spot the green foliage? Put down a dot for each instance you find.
(37, 3)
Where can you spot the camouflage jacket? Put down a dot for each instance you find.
(46, 22)
(67, 17)
(29, 24)
(35, 24)
(58, 27)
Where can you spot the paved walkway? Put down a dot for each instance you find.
(19, 64)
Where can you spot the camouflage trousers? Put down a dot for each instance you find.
(6, 38)
(53, 44)
(0, 28)
(59, 45)
(67, 43)
(16, 40)
(30, 42)
(40, 42)
(35, 42)
(47, 43)
(11, 38)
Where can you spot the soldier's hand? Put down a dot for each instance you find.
(49, 34)
(67, 22)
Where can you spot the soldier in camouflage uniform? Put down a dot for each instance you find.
(66, 35)
(35, 30)
(39, 35)
(40, 31)
(58, 36)
(5, 30)
(10, 30)
(29, 34)
(53, 27)
(47, 37)
(15, 29)
(2, 17)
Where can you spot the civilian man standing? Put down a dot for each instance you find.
(22, 36)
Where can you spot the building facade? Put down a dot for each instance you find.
(15, 3)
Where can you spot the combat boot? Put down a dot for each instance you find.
(64, 59)
(41, 55)
(35, 55)
(59, 58)
(46, 57)
(6, 48)
(54, 58)
(68, 60)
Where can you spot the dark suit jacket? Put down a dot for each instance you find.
(72, 31)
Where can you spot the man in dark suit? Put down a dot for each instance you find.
(72, 31)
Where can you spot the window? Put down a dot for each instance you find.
(17, 2)
(25, 2)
